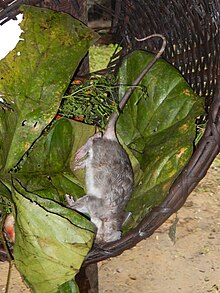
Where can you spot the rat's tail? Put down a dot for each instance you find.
(110, 132)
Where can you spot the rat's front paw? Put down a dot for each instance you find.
(79, 165)
(81, 153)
(84, 150)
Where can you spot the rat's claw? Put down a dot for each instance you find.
(81, 153)
(79, 165)
(70, 200)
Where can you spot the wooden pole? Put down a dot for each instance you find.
(87, 279)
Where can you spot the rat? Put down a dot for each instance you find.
(109, 174)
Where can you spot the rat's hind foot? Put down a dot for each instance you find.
(70, 200)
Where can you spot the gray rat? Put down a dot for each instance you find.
(109, 175)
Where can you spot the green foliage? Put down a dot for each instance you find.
(158, 126)
(40, 66)
(100, 55)
(157, 129)
(92, 101)
(51, 240)
(45, 169)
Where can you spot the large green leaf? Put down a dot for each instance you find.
(46, 168)
(35, 75)
(51, 241)
(158, 128)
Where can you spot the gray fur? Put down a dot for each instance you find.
(109, 176)
(109, 183)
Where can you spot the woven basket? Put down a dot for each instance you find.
(192, 30)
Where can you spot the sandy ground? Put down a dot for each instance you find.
(157, 265)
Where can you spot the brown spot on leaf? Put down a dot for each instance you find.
(172, 173)
(186, 92)
(27, 146)
(183, 128)
(180, 152)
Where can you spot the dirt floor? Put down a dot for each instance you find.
(157, 265)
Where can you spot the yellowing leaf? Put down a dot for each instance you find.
(51, 241)
(35, 75)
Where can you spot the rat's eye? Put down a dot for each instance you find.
(98, 134)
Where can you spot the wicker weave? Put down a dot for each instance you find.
(192, 30)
